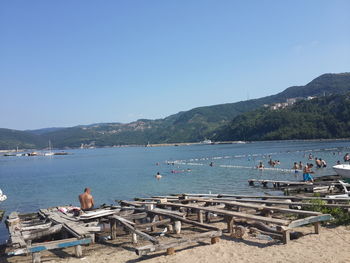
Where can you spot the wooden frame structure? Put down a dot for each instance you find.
(204, 206)
(141, 218)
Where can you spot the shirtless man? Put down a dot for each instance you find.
(307, 173)
(86, 200)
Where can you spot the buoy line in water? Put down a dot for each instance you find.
(244, 167)
(254, 155)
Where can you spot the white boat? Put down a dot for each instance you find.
(343, 170)
(2, 196)
(206, 141)
(50, 153)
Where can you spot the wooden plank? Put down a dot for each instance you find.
(176, 213)
(75, 228)
(182, 219)
(135, 216)
(121, 219)
(71, 242)
(259, 207)
(39, 233)
(176, 243)
(309, 220)
(235, 214)
(292, 197)
(286, 203)
(280, 182)
(97, 214)
(156, 223)
(130, 203)
(35, 227)
(133, 230)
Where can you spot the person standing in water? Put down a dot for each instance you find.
(86, 200)
(307, 173)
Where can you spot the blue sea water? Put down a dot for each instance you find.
(124, 173)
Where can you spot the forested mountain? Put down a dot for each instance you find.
(323, 117)
(10, 139)
(187, 126)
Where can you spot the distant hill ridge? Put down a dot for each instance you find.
(186, 126)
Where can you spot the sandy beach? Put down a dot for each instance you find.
(331, 245)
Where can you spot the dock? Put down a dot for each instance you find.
(323, 184)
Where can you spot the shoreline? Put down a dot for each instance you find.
(178, 144)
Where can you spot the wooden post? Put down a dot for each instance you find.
(36, 258)
(153, 219)
(29, 244)
(207, 217)
(200, 216)
(134, 238)
(170, 251)
(113, 223)
(177, 226)
(229, 220)
(317, 227)
(286, 236)
(170, 228)
(78, 251)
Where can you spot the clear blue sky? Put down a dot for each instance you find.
(65, 63)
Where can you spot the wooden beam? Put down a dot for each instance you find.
(259, 207)
(156, 223)
(286, 203)
(267, 197)
(38, 247)
(309, 220)
(39, 233)
(133, 230)
(182, 219)
(176, 243)
(235, 214)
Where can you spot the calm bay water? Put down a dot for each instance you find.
(124, 173)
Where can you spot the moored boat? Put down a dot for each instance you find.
(343, 170)
(3, 197)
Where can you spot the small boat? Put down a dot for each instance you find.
(50, 153)
(206, 141)
(3, 197)
(343, 170)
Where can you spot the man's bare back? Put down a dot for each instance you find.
(86, 200)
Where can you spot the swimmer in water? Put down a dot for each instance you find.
(158, 176)
(260, 166)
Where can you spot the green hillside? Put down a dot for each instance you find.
(320, 118)
(187, 126)
(10, 139)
